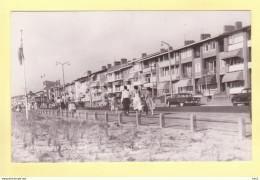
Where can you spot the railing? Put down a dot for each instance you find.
(236, 67)
(162, 121)
(209, 71)
(186, 75)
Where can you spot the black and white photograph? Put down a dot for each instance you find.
(130, 86)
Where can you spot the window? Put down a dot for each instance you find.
(209, 46)
(236, 84)
(234, 61)
(186, 53)
(249, 52)
(222, 63)
(234, 39)
(197, 67)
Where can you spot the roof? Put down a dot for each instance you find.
(118, 67)
(192, 44)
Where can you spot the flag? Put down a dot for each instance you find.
(20, 55)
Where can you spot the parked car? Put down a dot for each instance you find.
(182, 99)
(242, 98)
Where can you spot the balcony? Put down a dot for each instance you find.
(249, 43)
(110, 78)
(96, 90)
(167, 78)
(97, 98)
(236, 67)
(109, 90)
(186, 75)
(209, 71)
(135, 68)
(236, 90)
(166, 63)
(120, 77)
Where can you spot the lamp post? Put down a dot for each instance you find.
(170, 70)
(62, 65)
(153, 65)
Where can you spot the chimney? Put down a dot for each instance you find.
(238, 25)
(104, 67)
(204, 36)
(170, 48)
(89, 72)
(123, 61)
(187, 42)
(116, 63)
(109, 65)
(162, 50)
(144, 55)
(228, 28)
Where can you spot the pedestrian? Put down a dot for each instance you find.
(149, 100)
(125, 99)
(59, 103)
(72, 107)
(137, 105)
(114, 105)
(144, 105)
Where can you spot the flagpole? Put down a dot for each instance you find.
(26, 100)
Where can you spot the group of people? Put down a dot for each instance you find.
(140, 103)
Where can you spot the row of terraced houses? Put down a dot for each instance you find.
(215, 66)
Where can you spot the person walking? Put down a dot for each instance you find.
(114, 104)
(137, 105)
(125, 99)
(149, 100)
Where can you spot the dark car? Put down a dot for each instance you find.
(242, 98)
(182, 99)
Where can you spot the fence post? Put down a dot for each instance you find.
(106, 117)
(95, 116)
(86, 115)
(162, 120)
(193, 124)
(138, 119)
(241, 128)
(120, 121)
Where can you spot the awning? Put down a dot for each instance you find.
(209, 79)
(184, 83)
(233, 76)
(234, 53)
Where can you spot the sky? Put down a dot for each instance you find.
(91, 39)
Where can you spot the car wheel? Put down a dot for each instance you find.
(181, 104)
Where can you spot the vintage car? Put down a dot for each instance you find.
(182, 99)
(242, 98)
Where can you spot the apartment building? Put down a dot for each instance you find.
(214, 65)
(118, 76)
(219, 65)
